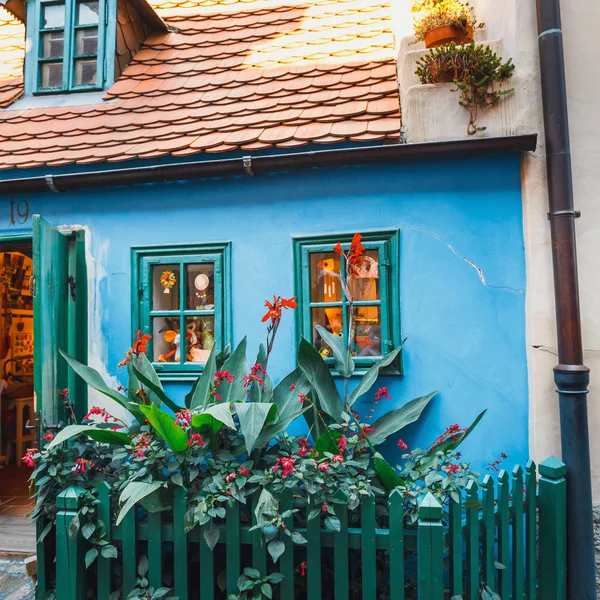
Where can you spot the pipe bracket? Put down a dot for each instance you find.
(50, 183)
(247, 161)
(564, 213)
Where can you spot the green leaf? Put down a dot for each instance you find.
(320, 378)
(253, 417)
(394, 420)
(266, 506)
(201, 396)
(104, 436)
(215, 417)
(288, 404)
(342, 359)
(190, 394)
(276, 548)
(88, 530)
(369, 378)
(109, 551)
(387, 475)
(211, 535)
(155, 391)
(90, 557)
(237, 365)
(253, 573)
(94, 379)
(174, 436)
(133, 493)
(327, 442)
(267, 590)
(332, 523)
(153, 502)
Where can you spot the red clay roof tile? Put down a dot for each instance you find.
(236, 74)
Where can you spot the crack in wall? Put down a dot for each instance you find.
(465, 259)
(554, 351)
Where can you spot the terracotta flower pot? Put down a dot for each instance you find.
(444, 35)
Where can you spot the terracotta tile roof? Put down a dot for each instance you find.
(12, 49)
(237, 74)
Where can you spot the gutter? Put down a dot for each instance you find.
(258, 165)
(570, 375)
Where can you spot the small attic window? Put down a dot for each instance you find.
(69, 45)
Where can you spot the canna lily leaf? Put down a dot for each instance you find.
(369, 378)
(173, 435)
(104, 436)
(215, 416)
(320, 378)
(253, 416)
(94, 380)
(156, 393)
(237, 365)
(342, 359)
(387, 475)
(327, 442)
(201, 396)
(394, 420)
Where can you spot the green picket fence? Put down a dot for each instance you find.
(508, 534)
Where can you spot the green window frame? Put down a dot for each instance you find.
(68, 45)
(187, 260)
(383, 244)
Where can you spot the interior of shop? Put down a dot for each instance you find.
(17, 403)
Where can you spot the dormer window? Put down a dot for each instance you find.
(70, 46)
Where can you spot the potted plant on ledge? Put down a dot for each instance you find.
(440, 22)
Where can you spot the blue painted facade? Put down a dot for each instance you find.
(462, 272)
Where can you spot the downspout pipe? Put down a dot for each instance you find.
(570, 375)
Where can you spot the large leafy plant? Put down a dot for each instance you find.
(437, 13)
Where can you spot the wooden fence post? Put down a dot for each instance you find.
(70, 551)
(430, 549)
(553, 529)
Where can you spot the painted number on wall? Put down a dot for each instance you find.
(19, 212)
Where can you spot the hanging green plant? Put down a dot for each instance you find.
(439, 22)
(475, 70)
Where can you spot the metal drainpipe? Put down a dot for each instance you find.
(570, 375)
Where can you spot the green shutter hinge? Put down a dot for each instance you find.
(72, 287)
(106, 9)
(385, 263)
(388, 344)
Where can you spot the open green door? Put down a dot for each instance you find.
(60, 318)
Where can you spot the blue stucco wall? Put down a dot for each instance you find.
(462, 271)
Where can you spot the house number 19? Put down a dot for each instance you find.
(20, 210)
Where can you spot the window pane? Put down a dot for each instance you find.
(85, 72)
(54, 16)
(87, 12)
(331, 319)
(52, 75)
(367, 328)
(364, 284)
(324, 283)
(87, 41)
(201, 286)
(165, 287)
(200, 338)
(52, 44)
(165, 339)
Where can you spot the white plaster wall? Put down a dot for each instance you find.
(513, 24)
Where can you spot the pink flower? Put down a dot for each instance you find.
(141, 445)
(324, 466)
(324, 508)
(257, 373)
(221, 376)
(196, 440)
(285, 464)
(382, 393)
(402, 445)
(230, 477)
(28, 458)
(452, 469)
(303, 451)
(337, 458)
(342, 443)
(292, 387)
(80, 465)
(183, 418)
(48, 436)
(303, 397)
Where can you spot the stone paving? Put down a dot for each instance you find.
(14, 582)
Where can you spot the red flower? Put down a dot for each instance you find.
(452, 469)
(285, 464)
(366, 429)
(196, 440)
(503, 456)
(28, 458)
(221, 376)
(382, 393)
(324, 508)
(402, 445)
(183, 418)
(141, 445)
(292, 387)
(338, 249)
(303, 569)
(139, 346)
(230, 477)
(303, 451)
(274, 308)
(48, 436)
(80, 465)
(324, 466)
(244, 471)
(257, 373)
(342, 443)
(337, 458)
(303, 397)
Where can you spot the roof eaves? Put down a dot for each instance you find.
(147, 13)
(16, 8)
